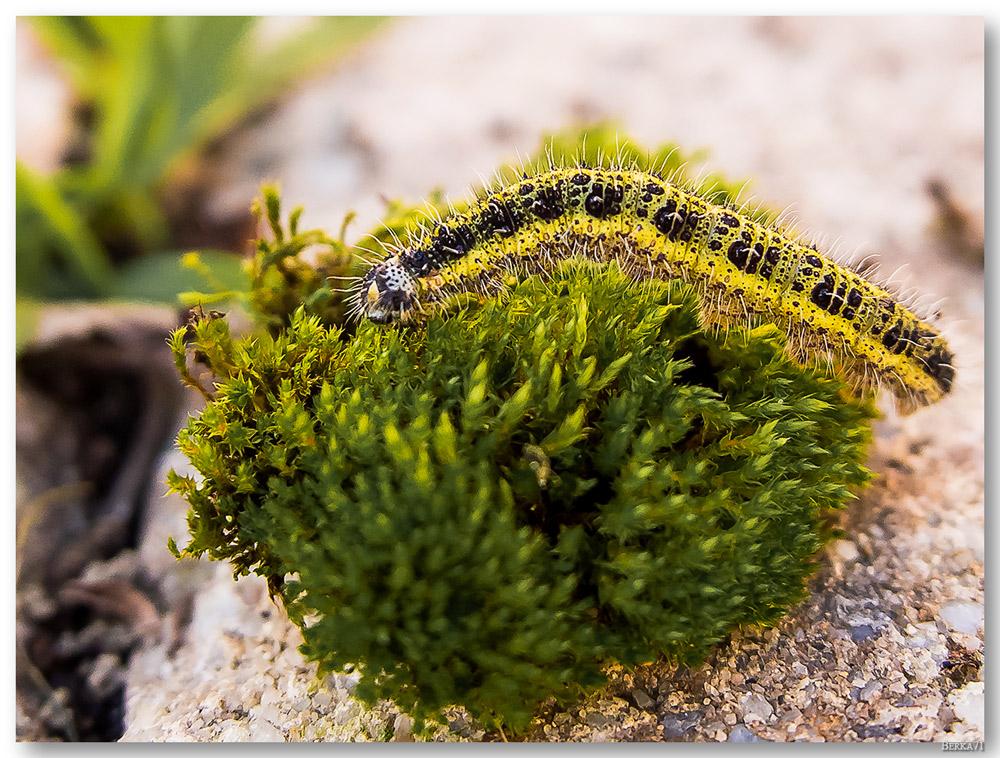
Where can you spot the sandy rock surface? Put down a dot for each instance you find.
(846, 122)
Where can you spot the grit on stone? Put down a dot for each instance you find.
(844, 120)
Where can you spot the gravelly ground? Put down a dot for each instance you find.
(846, 119)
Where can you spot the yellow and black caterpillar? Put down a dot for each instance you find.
(745, 271)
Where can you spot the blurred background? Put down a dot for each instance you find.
(143, 140)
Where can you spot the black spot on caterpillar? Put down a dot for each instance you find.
(745, 271)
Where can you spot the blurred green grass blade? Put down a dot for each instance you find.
(144, 215)
(200, 59)
(33, 258)
(75, 44)
(174, 82)
(162, 74)
(133, 90)
(160, 87)
(40, 200)
(161, 278)
(27, 314)
(324, 41)
(207, 53)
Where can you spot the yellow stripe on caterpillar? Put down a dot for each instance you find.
(745, 271)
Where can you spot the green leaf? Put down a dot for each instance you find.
(27, 315)
(43, 214)
(163, 277)
(159, 87)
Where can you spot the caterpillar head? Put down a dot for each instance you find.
(388, 292)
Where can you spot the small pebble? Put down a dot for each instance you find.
(678, 724)
(963, 617)
(969, 704)
(870, 691)
(642, 700)
(402, 726)
(755, 707)
(741, 734)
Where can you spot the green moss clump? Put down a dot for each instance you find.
(488, 510)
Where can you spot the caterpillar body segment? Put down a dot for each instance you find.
(746, 272)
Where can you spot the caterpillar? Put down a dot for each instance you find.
(745, 271)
